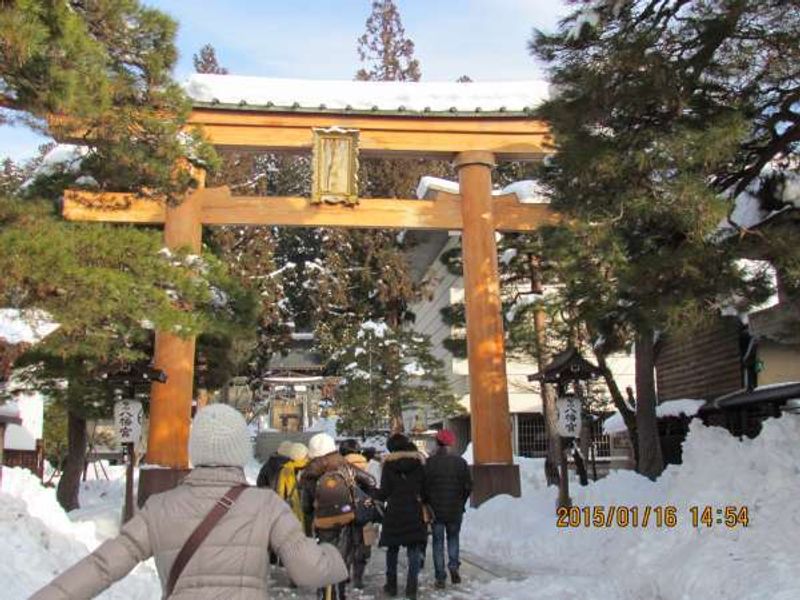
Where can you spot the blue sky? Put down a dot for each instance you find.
(316, 39)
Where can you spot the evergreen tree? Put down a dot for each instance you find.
(108, 287)
(205, 61)
(388, 369)
(369, 268)
(389, 54)
(658, 103)
(103, 70)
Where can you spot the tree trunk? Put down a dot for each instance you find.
(552, 460)
(628, 414)
(651, 462)
(396, 424)
(69, 485)
(584, 442)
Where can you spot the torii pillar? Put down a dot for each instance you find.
(494, 471)
(167, 459)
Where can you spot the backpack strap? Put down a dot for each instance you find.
(221, 507)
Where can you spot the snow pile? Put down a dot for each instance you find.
(670, 408)
(682, 563)
(25, 326)
(527, 191)
(38, 540)
(436, 96)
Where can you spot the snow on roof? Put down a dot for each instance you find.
(670, 408)
(25, 326)
(385, 96)
(527, 190)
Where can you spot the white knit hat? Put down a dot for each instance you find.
(284, 448)
(320, 445)
(298, 452)
(219, 437)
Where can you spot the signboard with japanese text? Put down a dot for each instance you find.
(569, 416)
(128, 417)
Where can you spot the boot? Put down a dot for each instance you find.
(411, 590)
(440, 584)
(390, 588)
(455, 577)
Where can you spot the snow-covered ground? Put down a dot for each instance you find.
(681, 563)
(520, 536)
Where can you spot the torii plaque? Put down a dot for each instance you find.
(473, 141)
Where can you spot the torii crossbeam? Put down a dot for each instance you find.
(473, 140)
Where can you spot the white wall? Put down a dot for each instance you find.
(448, 289)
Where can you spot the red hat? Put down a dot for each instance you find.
(446, 437)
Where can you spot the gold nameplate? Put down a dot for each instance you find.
(335, 161)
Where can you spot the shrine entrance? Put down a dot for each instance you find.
(485, 123)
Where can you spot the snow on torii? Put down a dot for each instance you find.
(473, 124)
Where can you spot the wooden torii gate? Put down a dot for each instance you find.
(474, 139)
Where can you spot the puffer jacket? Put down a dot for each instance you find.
(324, 464)
(231, 563)
(288, 485)
(403, 489)
(448, 483)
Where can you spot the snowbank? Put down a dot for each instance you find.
(436, 96)
(683, 563)
(670, 408)
(38, 540)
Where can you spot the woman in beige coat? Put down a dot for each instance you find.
(233, 561)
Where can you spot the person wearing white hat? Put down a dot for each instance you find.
(231, 561)
(325, 458)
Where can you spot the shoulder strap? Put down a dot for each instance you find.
(201, 533)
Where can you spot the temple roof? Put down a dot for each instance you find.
(429, 98)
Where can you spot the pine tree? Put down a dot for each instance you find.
(655, 101)
(205, 61)
(105, 67)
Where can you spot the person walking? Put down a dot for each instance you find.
(362, 548)
(449, 484)
(328, 499)
(231, 560)
(403, 489)
(288, 479)
(268, 475)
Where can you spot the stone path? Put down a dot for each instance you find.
(474, 571)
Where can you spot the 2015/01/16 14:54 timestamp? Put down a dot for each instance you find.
(650, 516)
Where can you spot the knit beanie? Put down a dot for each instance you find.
(445, 437)
(298, 452)
(285, 448)
(320, 445)
(219, 437)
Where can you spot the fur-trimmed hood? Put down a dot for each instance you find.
(404, 461)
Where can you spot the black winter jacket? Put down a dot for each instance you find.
(448, 483)
(268, 475)
(403, 489)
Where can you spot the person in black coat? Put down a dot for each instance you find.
(403, 489)
(448, 484)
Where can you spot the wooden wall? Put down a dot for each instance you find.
(704, 365)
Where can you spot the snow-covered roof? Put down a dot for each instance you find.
(670, 408)
(497, 98)
(527, 190)
(25, 326)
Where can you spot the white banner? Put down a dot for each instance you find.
(569, 416)
(128, 417)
